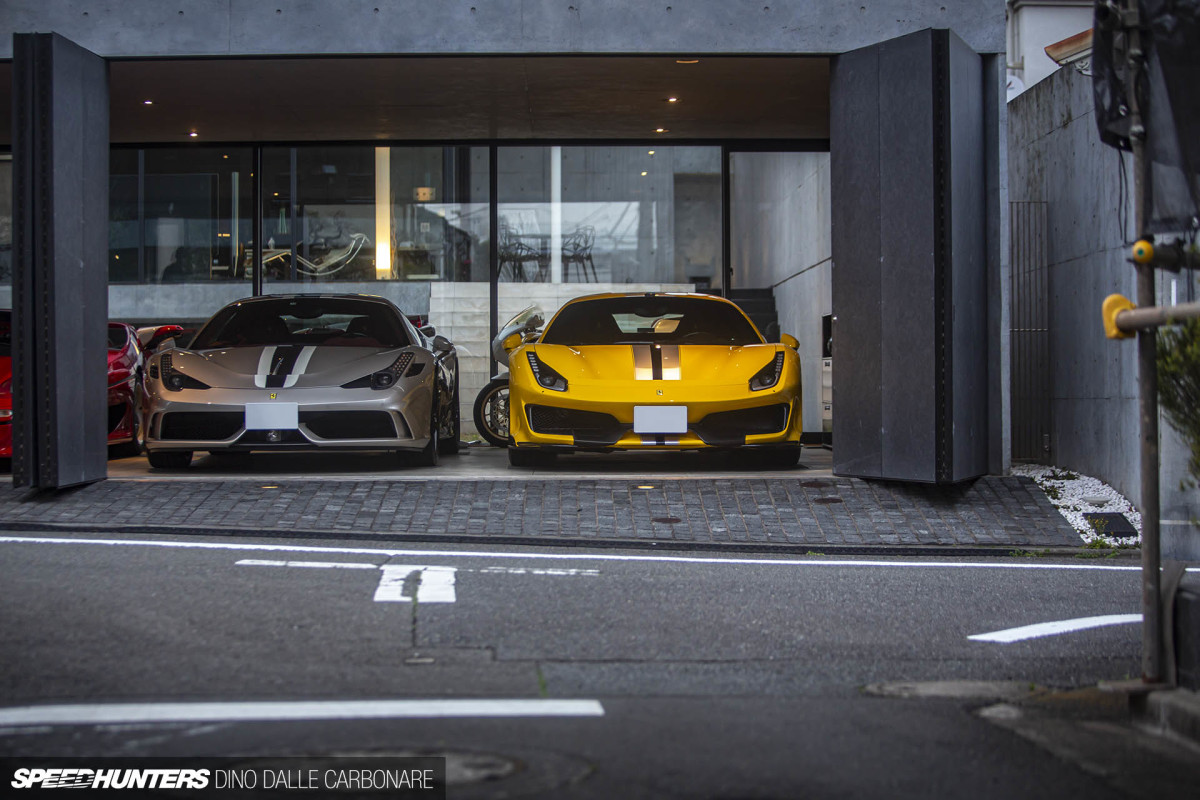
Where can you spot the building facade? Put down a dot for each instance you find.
(468, 158)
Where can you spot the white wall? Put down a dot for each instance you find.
(780, 238)
(1034, 24)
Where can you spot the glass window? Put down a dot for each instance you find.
(611, 215)
(179, 214)
(360, 213)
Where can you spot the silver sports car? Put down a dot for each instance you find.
(304, 372)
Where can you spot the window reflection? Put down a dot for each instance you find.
(359, 213)
(612, 215)
(178, 214)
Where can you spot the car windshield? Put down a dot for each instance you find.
(650, 319)
(332, 322)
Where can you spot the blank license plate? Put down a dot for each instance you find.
(660, 419)
(272, 416)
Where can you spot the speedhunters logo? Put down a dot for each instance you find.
(73, 778)
(230, 778)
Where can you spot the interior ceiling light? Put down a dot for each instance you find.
(147, 102)
(193, 134)
(687, 61)
(660, 130)
(650, 152)
(672, 99)
(644, 173)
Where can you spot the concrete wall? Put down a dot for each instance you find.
(255, 27)
(780, 237)
(1056, 156)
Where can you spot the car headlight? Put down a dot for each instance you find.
(545, 374)
(386, 378)
(768, 376)
(172, 378)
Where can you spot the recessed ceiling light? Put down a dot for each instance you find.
(644, 173)
(193, 134)
(650, 152)
(672, 99)
(660, 130)
(277, 194)
(687, 61)
(147, 102)
(225, 156)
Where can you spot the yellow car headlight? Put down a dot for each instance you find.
(545, 375)
(769, 375)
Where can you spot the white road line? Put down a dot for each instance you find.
(254, 562)
(132, 713)
(1055, 628)
(389, 553)
(436, 584)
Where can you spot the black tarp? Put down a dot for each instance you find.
(1169, 98)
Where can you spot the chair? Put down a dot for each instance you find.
(515, 254)
(577, 249)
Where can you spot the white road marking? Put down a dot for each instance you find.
(133, 713)
(1055, 628)
(436, 584)
(253, 562)
(389, 553)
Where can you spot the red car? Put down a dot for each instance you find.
(124, 385)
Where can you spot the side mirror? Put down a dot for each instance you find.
(790, 341)
(429, 331)
(512, 342)
(441, 344)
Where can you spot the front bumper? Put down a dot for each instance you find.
(592, 420)
(333, 419)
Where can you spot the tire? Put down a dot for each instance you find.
(169, 459)
(137, 443)
(448, 442)
(781, 457)
(428, 457)
(518, 457)
(491, 412)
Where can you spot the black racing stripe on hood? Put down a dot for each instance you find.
(282, 364)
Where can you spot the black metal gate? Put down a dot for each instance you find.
(1030, 332)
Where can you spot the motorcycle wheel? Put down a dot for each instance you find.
(491, 412)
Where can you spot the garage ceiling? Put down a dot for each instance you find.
(464, 98)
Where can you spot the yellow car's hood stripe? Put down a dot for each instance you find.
(659, 362)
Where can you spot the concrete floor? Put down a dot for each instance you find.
(472, 463)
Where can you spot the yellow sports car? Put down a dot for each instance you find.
(653, 372)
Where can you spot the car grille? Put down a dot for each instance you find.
(588, 427)
(349, 424)
(732, 427)
(208, 426)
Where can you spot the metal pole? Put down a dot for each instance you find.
(1152, 638)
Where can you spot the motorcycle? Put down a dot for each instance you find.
(491, 404)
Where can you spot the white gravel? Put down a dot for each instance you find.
(1067, 490)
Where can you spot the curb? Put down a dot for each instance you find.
(761, 548)
(1175, 712)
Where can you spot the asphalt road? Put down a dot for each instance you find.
(689, 676)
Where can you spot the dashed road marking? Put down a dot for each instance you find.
(1055, 628)
(432, 584)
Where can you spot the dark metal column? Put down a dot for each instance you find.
(910, 260)
(60, 280)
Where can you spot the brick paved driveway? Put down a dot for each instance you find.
(796, 513)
